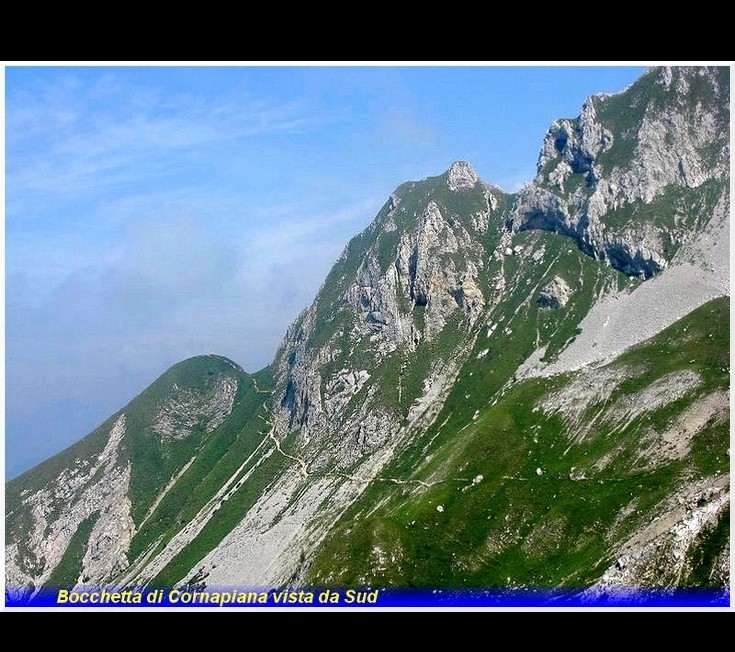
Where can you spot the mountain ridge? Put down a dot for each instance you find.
(441, 364)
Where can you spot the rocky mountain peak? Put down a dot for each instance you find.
(577, 143)
(461, 175)
(613, 177)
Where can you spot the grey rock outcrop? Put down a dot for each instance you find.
(94, 489)
(572, 146)
(429, 277)
(187, 409)
(554, 294)
(623, 153)
(461, 175)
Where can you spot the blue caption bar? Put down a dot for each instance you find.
(363, 597)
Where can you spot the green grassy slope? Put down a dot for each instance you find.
(155, 460)
(217, 458)
(514, 526)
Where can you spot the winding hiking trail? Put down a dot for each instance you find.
(300, 461)
(303, 466)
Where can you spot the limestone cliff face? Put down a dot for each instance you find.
(639, 148)
(94, 489)
(420, 265)
(419, 272)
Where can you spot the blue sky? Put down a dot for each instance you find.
(155, 213)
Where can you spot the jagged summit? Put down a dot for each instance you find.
(461, 175)
(614, 178)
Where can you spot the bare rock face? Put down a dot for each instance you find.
(461, 175)
(401, 294)
(95, 489)
(429, 275)
(699, 271)
(571, 146)
(554, 294)
(625, 152)
(186, 409)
